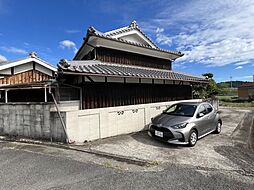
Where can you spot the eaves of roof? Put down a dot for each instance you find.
(8, 64)
(97, 68)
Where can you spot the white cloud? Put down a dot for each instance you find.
(13, 50)
(26, 44)
(2, 58)
(214, 33)
(72, 31)
(242, 63)
(244, 78)
(163, 39)
(247, 77)
(239, 67)
(159, 30)
(68, 44)
(179, 65)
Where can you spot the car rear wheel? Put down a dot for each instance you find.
(218, 127)
(193, 138)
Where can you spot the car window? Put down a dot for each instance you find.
(171, 109)
(202, 109)
(181, 110)
(209, 108)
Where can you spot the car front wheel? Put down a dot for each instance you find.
(218, 127)
(193, 138)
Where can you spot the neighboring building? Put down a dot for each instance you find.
(25, 80)
(246, 91)
(124, 67)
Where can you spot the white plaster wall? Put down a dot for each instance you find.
(146, 81)
(168, 82)
(6, 71)
(96, 79)
(65, 106)
(23, 68)
(115, 79)
(43, 69)
(132, 80)
(92, 124)
(134, 38)
(158, 81)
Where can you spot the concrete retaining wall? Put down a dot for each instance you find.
(30, 120)
(87, 125)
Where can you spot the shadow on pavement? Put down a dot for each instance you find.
(239, 156)
(144, 138)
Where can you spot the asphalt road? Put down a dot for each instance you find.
(38, 167)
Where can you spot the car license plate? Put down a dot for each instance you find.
(158, 133)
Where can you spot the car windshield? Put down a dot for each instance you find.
(181, 110)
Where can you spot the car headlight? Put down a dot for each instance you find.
(179, 126)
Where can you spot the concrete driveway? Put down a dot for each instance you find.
(213, 152)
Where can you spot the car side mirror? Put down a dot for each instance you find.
(200, 115)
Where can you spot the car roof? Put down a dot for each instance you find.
(193, 103)
(190, 103)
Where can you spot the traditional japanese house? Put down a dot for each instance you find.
(124, 67)
(25, 80)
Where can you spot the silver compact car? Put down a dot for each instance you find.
(185, 123)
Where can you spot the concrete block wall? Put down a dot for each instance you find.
(56, 128)
(30, 120)
(92, 124)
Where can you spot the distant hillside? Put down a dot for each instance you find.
(235, 84)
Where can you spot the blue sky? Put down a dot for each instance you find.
(216, 36)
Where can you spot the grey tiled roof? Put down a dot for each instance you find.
(93, 32)
(93, 67)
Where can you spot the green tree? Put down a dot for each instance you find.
(223, 88)
(208, 75)
(212, 88)
(208, 90)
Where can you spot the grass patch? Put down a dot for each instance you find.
(226, 98)
(236, 104)
(233, 101)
